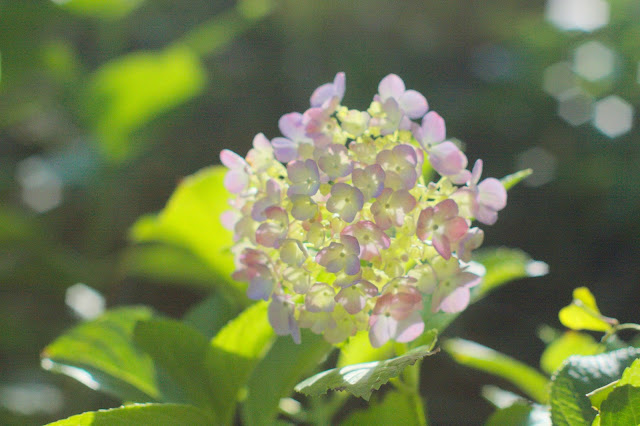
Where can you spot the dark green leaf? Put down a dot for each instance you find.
(102, 355)
(168, 264)
(622, 407)
(483, 358)
(191, 219)
(234, 353)
(210, 315)
(271, 381)
(179, 352)
(141, 415)
(395, 409)
(579, 376)
(362, 379)
(630, 376)
(521, 414)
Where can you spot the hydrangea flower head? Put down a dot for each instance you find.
(336, 226)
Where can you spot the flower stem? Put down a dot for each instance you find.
(617, 328)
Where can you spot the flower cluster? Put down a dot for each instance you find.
(336, 225)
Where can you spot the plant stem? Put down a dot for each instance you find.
(616, 328)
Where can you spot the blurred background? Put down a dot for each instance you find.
(105, 106)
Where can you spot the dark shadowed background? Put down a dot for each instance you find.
(105, 106)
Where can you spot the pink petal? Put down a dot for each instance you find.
(291, 125)
(413, 104)
(391, 86)
(486, 215)
(457, 301)
(235, 181)
(232, 160)
(442, 245)
(410, 328)
(491, 193)
(476, 172)
(382, 328)
(447, 159)
(260, 141)
(433, 127)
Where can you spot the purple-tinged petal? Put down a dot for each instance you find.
(447, 159)
(410, 328)
(413, 104)
(282, 318)
(381, 329)
(391, 86)
(370, 181)
(292, 126)
(284, 149)
(232, 160)
(235, 181)
(433, 130)
(491, 193)
(320, 298)
(476, 172)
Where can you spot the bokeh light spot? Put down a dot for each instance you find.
(613, 116)
(543, 163)
(576, 108)
(582, 15)
(559, 79)
(593, 61)
(41, 187)
(86, 302)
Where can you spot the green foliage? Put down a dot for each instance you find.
(520, 413)
(127, 92)
(179, 352)
(106, 9)
(358, 349)
(395, 408)
(581, 375)
(362, 379)
(210, 315)
(502, 265)
(101, 354)
(512, 180)
(570, 343)
(235, 351)
(142, 415)
(622, 407)
(191, 221)
(275, 376)
(583, 313)
(485, 359)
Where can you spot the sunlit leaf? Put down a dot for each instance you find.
(583, 313)
(191, 219)
(141, 415)
(622, 407)
(362, 379)
(504, 265)
(581, 375)
(101, 354)
(234, 353)
(108, 9)
(129, 91)
(179, 351)
(520, 414)
(570, 343)
(630, 376)
(480, 357)
(275, 376)
(512, 180)
(395, 409)
(358, 349)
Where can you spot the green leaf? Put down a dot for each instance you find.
(579, 376)
(395, 409)
(141, 415)
(630, 376)
(191, 219)
(570, 343)
(129, 91)
(512, 180)
(210, 315)
(234, 353)
(270, 381)
(482, 358)
(168, 264)
(179, 351)
(106, 9)
(583, 313)
(101, 354)
(502, 265)
(358, 349)
(520, 413)
(362, 379)
(622, 407)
